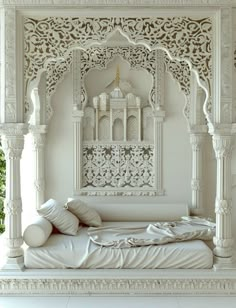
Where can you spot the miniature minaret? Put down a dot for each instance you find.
(117, 80)
(116, 93)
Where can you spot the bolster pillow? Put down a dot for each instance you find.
(37, 233)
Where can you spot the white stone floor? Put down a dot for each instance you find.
(115, 302)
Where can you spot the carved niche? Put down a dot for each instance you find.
(118, 126)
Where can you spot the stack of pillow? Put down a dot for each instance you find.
(65, 218)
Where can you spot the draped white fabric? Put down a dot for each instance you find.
(153, 234)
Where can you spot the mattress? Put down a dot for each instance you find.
(64, 251)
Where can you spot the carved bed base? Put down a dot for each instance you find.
(118, 282)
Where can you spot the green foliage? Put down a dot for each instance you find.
(2, 189)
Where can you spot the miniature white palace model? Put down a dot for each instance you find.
(130, 107)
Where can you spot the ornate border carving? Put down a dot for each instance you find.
(117, 2)
(122, 286)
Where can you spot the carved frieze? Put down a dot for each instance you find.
(88, 3)
(118, 285)
(117, 2)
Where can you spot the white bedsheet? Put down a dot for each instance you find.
(64, 251)
(152, 233)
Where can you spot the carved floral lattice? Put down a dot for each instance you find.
(118, 166)
(51, 37)
(180, 71)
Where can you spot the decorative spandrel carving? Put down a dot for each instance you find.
(180, 72)
(98, 58)
(118, 166)
(55, 73)
(183, 37)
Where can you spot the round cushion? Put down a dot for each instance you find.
(37, 233)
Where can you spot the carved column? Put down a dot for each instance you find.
(197, 143)
(76, 76)
(111, 124)
(13, 143)
(158, 146)
(38, 146)
(78, 149)
(125, 123)
(223, 204)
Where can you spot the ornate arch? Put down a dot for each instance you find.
(185, 39)
(137, 56)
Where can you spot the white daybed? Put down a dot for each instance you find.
(111, 245)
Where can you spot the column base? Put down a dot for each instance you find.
(13, 264)
(224, 263)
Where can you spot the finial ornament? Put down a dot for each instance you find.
(117, 79)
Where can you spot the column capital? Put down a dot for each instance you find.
(77, 115)
(223, 207)
(38, 133)
(13, 129)
(196, 140)
(38, 129)
(222, 145)
(13, 139)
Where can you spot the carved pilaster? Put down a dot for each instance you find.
(38, 143)
(8, 64)
(13, 144)
(158, 148)
(78, 149)
(76, 73)
(223, 67)
(197, 143)
(223, 206)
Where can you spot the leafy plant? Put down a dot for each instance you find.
(2, 189)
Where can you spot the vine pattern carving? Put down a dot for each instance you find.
(52, 37)
(118, 166)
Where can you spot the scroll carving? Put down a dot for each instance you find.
(183, 37)
(118, 166)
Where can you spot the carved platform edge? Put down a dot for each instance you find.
(117, 286)
(118, 2)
